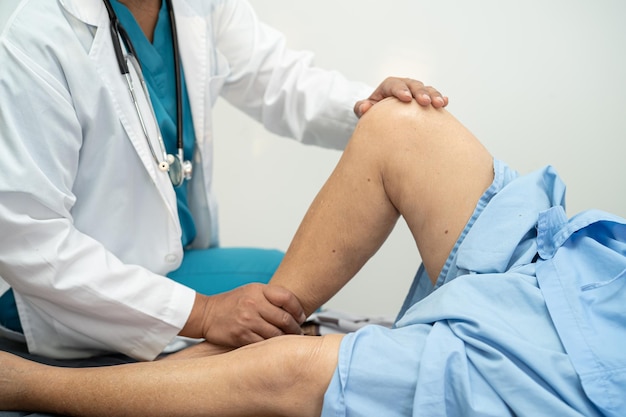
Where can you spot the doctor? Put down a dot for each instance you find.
(109, 237)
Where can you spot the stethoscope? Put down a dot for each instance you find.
(176, 166)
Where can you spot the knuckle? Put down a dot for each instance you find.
(245, 318)
(247, 301)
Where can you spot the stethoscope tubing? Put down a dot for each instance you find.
(177, 167)
(178, 78)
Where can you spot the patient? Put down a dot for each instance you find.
(516, 310)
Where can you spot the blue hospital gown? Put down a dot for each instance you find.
(528, 318)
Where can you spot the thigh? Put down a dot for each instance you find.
(432, 169)
(216, 270)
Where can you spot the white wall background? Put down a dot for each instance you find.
(538, 81)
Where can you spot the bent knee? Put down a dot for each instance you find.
(398, 126)
(395, 115)
(422, 134)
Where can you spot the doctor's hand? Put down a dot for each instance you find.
(404, 89)
(245, 315)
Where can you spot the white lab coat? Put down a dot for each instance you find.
(88, 224)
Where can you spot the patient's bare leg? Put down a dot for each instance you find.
(285, 376)
(403, 159)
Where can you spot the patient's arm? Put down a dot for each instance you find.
(403, 159)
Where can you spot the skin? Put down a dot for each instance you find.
(257, 312)
(422, 170)
(146, 13)
(182, 386)
(403, 160)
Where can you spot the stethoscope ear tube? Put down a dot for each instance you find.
(162, 162)
(178, 77)
(121, 61)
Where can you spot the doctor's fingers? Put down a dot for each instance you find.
(244, 315)
(285, 299)
(424, 94)
(404, 89)
(266, 324)
(278, 322)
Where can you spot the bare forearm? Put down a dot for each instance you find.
(345, 225)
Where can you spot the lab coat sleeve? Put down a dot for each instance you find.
(75, 297)
(281, 87)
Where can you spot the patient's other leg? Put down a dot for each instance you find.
(284, 376)
(403, 159)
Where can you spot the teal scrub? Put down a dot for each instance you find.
(8, 312)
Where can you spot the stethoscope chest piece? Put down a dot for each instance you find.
(178, 169)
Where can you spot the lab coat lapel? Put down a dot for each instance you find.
(94, 13)
(88, 11)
